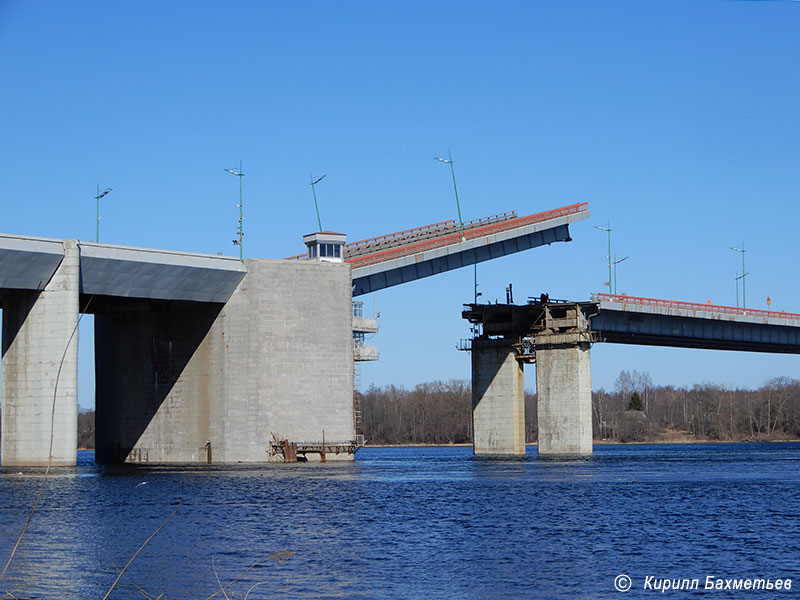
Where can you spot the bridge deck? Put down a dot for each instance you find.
(695, 310)
(28, 263)
(649, 321)
(482, 241)
(372, 246)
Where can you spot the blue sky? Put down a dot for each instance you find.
(677, 121)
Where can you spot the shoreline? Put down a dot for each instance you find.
(597, 443)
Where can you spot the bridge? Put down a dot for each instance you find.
(200, 357)
(405, 256)
(44, 285)
(648, 321)
(557, 337)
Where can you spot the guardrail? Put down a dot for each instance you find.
(454, 238)
(399, 235)
(426, 232)
(715, 308)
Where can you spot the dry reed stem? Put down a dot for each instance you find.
(50, 450)
(219, 583)
(139, 589)
(128, 564)
(279, 556)
(254, 587)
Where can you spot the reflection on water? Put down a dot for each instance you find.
(410, 523)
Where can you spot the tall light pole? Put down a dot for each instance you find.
(738, 277)
(240, 231)
(607, 229)
(449, 161)
(314, 183)
(97, 198)
(743, 275)
(616, 262)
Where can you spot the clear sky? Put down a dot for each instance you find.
(676, 120)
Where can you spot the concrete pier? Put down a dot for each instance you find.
(498, 401)
(564, 393)
(180, 382)
(40, 368)
(198, 358)
(152, 380)
(557, 337)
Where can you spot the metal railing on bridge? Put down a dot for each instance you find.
(418, 234)
(478, 228)
(694, 306)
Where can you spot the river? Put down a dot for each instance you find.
(412, 523)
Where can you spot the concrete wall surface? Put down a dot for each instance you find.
(498, 402)
(564, 395)
(40, 369)
(182, 382)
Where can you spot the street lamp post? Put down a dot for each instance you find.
(616, 262)
(737, 278)
(743, 275)
(449, 160)
(240, 230)
(314, 183)
(97, 198)
(607, 229)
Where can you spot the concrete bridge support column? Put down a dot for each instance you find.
(153, 374)
(40, 369)
(498, 401)
(564, 393)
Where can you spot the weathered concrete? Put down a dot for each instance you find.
(283, 352)
(152, 374)
(177, 381)
(564, 393)
(498, 401)
(40, 369)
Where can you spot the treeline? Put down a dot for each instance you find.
(432, 413)
(441, 412)
(86, 429)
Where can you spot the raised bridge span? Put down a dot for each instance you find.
(557, 337)
(405, 256)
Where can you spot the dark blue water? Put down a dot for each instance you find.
(413, 523)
